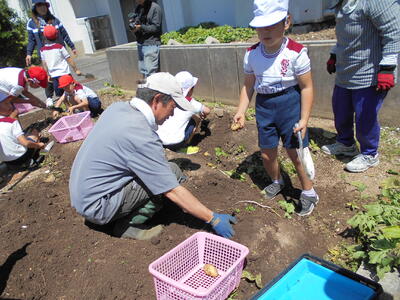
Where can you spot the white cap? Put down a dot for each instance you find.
(3, 96)
(186, 80)
(269, 12)
(166, 83)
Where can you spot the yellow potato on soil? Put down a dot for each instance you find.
(235, 126)
(210, 270)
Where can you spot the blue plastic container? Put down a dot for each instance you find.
(310, 278)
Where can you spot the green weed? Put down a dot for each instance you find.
(377, 229)
(287, 166)
(288, 207)
(250, 208)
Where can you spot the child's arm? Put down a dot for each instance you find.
(71, 62)
(33, 99)
(29, 144)
(307, 99)
(82, 103)
(245, 97)
(58, 104)
(205, 111)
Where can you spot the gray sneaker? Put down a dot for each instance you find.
(362, 163)
(272, 190)
(307, 204)
(340, 149)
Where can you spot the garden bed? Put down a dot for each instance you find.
(47, 252)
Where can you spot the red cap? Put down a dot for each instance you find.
(65, 80)
(38, 75)
(50, 32)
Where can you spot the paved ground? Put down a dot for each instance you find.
(95, 64)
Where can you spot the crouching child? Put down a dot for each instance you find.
(17, 148)
(77, 98)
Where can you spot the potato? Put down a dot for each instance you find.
(210, 270)
(235, 126)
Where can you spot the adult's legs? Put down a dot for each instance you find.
(343, 111)
(141, 65)
(367, 103)
(151, 59)
(138, 207)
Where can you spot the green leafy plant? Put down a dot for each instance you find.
(250, 208)
(361, 187)
(287, 166)
(313, 146)
(112, 89)
(198, 34)
(219, 152)
(235, 175)
(250, 114)
(13, 37)
(378, 230)
(257, 279)
(288, 207)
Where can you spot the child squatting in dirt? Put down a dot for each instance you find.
(77, 97)
(17, 148)
(279, 70)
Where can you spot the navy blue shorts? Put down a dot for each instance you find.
(276, 115)
(94, 106)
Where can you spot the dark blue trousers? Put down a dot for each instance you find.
(361, 106)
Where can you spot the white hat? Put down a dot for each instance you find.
(269, 12)
(3, 96)
(186, 80)
(166, 83)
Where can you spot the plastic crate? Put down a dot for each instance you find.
(72, 128)
(310, 277)
(23, 107)
(179, 275)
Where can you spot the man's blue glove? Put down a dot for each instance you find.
(221, 223)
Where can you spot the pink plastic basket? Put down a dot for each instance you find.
(23, 107)
(72, 128)
(179, 274)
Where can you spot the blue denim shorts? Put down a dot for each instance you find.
(276, 115)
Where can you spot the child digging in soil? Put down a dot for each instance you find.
(178, 130)
(77, 97)
(16, 148)
(278, 68)
(55, 60)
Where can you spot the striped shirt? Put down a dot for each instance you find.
(368, 35)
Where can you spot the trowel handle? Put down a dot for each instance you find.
(299, 138)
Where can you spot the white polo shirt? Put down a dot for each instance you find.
(10, 148)
(55, 56)
(278, 71)
(82, 92)
(12, 81)
(172, 131)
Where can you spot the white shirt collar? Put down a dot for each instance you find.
(145, 109)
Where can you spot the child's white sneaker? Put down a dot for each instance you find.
(49, 102)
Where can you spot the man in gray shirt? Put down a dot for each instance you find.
(121, 173)
(146, 24)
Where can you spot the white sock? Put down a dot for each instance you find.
(309, 193)
(280, 181)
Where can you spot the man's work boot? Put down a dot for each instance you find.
(123, 229)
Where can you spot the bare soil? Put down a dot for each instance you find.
(47, 251)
